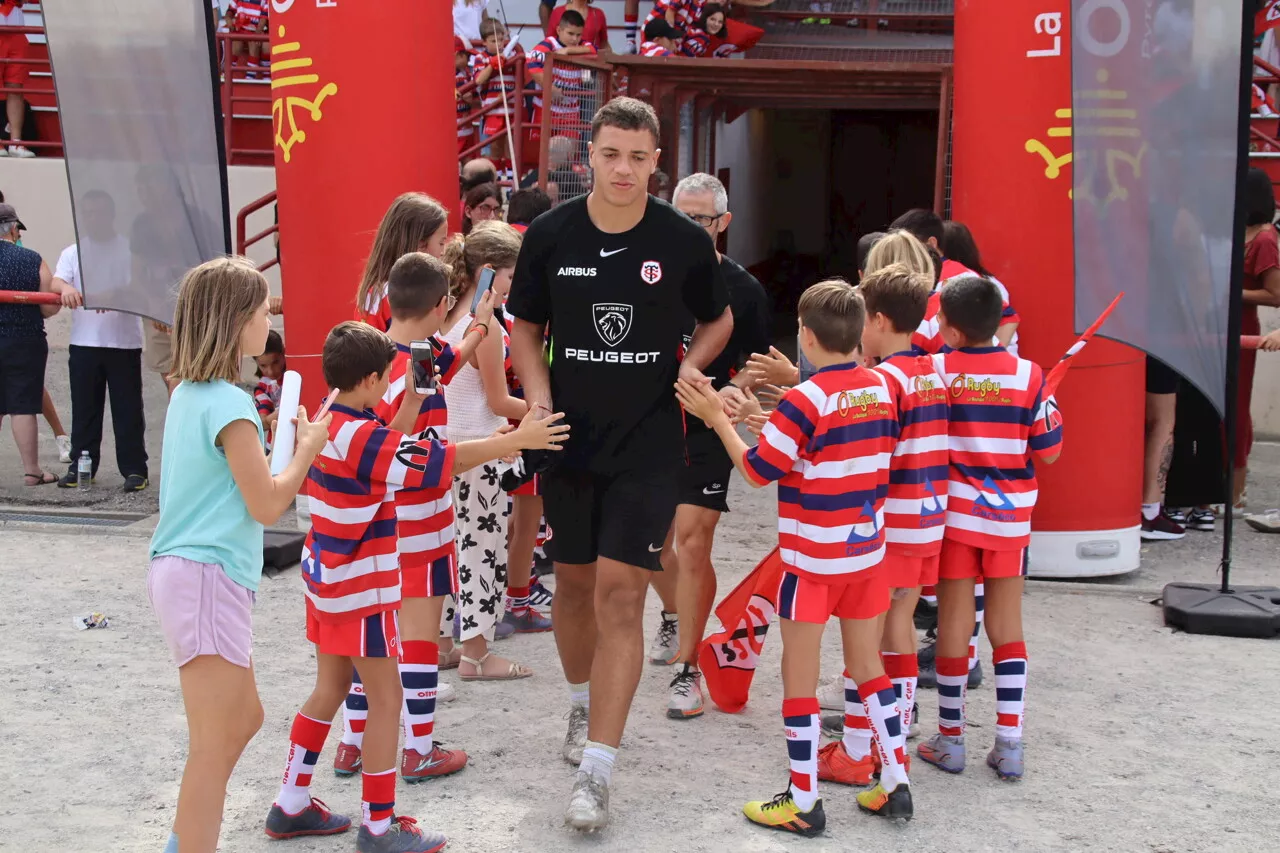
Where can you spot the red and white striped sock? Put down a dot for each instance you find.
(631, 25)
(979, 610)
(882, 710)
(517, 598)
(953, 681)
(419, 676)
(1011, 689)
(903, 671)
(306, 740)
(929, 594)
(355, 711)
(379, 800)
(800, 722)
(857, 729)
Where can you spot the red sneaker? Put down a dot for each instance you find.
(875, 757)
(836, 765)
(348, 761)
(414, 766)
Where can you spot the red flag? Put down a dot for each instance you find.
(1268, 17)
(740, 37)
(728, 657)
(1055, 376)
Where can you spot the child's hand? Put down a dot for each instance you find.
(505, 429)
(700, 401)
(541, 433)
(755, 423)
(312, 437)
(769, 396)
(732, 396)
(269, 422)
(774, 369)
(484, 311)
(747, 407)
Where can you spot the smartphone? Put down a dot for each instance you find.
(483, 284)
(423, 358)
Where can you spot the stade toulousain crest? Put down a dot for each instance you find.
(612, 320)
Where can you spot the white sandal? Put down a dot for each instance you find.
(515, 671)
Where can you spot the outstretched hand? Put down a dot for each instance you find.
(699, 400)
(541, 432)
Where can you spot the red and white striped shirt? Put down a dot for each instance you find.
(1000, 415)
(915, 511)
(687, 11)
(828, 445)
(248, 14)
(650, 48)
(460, 79)
(491, 91)
(349, 560)
(566, 78)
(928, 338)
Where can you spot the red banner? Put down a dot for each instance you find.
(1268, 17)
(1011, 184)
(354, 128)
(728, 657)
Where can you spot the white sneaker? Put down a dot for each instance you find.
(575, 740)
(588, 809)
(20, 151)
(445, 692)
(831, 694)
(666, 645)
(686, 695)
(64, 448)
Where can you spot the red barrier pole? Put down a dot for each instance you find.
(26, 296)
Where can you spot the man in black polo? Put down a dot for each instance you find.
(611, 276)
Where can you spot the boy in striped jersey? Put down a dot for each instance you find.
(352, 575)
(416, 289)
(827, 445)
(562, 85)
(1001, 418)
(915, 509)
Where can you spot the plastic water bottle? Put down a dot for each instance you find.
(84, 471)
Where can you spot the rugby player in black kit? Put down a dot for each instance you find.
(611, 277)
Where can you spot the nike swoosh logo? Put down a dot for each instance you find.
(605, 254)
(713, 491)
(654, 549)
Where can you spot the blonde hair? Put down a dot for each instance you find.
(900, 247)
(408, 223)
(216, 300)
(494, 243)
(898, 293)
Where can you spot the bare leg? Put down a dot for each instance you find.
(899, 628)
(696, 593)
(956, 617)
(615, 672)
(1004, 610)
(573, 613)
(381, 678)
(50, 412)
(26, 436)
(223, 715)
(801, 653)
(861, 639)
(15, 109)
(666, 582)
(522, 534)
(1158, 452)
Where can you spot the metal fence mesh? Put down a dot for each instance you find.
(581, 90)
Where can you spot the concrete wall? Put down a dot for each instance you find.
(743, 147)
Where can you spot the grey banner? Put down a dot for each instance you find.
(1155, 99)
(140, 129)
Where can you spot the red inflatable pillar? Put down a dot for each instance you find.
(354, 128)
(1011, 177)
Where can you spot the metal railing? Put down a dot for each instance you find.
(37, 65)
(243, 242)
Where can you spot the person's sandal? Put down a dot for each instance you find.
(44, 478)
(514, 671)
(450, 659)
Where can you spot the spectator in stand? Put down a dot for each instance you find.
(660, 38)
(595, 27)
(680, 14)
(467, 103)
(958, 245)
(15, 76)
(266, 395)
(249, 17)
(481, 204)
(468, 16)
(495, 80)
(566, 177)
(23, 348)
(106, 348)
(561, 83)
(524, 206)
(706, 35)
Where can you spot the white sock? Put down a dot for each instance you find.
(1150, 511)
(598, 759)
(580, 694)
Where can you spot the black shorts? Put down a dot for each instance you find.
(705, 482)
(1161, 379)
(623, 517)
(22, 363)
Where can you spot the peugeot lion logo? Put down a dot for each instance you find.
(613, 321)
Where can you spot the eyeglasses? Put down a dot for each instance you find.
(489, 209)
(704, 220)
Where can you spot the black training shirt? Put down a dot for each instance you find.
(616, 305)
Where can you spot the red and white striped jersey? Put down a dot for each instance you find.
(349, 560)
(1001, 414)
(424, 519)
(653, 49)
(491, 91)
(566, 78)
(928, 338)
(828, 445)
(460, 79)
(266, 396)
(687, 12)
(248, 15)
(376, 311)
(915, 512)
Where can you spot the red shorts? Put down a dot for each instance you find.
(532, 488)
(428, 580)
(902, 572)
(15, 46)
(375, 636)
(493, 125)
(959, 561)
(465, 142)
(865, 595)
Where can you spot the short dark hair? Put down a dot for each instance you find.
(491, 26)
(897, 293)
(1259, 198)
(833, 311)
(922, 224)
(352, 351)
(571, 18)
(524, 206)
(416, 285)
(865, 242)
(626, 114)
(275, 344)
(972, 305)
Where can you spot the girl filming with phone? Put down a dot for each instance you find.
(480, 404)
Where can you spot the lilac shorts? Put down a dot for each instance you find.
(201, 610)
